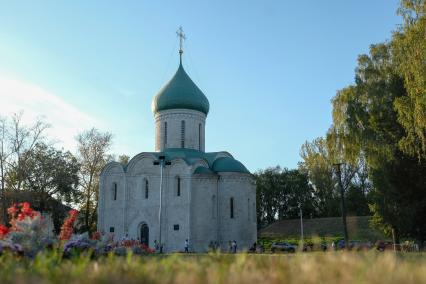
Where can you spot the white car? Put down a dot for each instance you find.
(282, 246)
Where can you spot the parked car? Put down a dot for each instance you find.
(281, 246)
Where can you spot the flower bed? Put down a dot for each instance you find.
(27, 235)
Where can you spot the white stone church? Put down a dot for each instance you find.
(179, 192)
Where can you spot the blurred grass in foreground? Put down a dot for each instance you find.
(339, 267)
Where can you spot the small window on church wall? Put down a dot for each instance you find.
(199, 136)
(178, 187)
(232, 207)
(146, 189)
(182, 134)
(111, 229)
(114, 191)
(165, 134)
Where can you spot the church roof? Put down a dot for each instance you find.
(227, 164)
(180, 93)
(216, 161)
(203, 170)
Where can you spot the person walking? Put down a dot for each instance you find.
(186, 246)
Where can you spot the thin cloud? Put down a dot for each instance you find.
(66, 121)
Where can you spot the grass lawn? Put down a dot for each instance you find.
(331, 267)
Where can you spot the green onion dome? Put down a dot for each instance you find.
(180, 92)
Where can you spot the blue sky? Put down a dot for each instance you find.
(268, 68)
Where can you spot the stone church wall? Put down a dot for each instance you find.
(111, 212)
(204, 217)
(174, 118)
(200, 213)
(141, 210)
(175, 224)
(242, 227)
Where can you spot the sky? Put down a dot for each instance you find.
(268, 68)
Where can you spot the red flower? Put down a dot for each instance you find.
(18, 212)
(68, 226)
(12, 210)
(3, 231)
(96, 236)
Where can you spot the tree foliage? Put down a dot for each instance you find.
(93, 147)
(409, 54)
(280, 192)
(317, 164)
(51, 172)
(367, 118)
(123, 159)
(16, 139)
(319, 161)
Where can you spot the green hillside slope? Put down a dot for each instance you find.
(358, 228)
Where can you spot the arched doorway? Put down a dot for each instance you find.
(144, 233)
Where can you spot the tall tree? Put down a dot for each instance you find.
(93, 147)
(280, 194)
(318, 165)
(296, 193)
(368, 123)
(123, 159)
(51, 173)
(267, 195)
(16, 138)
(409, 54)
(4, 155)
(22, 139)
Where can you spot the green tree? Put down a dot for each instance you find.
(51, 173)
(367, 121)
(50, 178)
(267, 195)
(93, 147)
(409, 54)
(123, 159)
(16, 139)
(317, 165)
(280, 192)
(21, 139)
(296, 192)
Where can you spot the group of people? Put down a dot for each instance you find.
(213, 246)
(159, 247)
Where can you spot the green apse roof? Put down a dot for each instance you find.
(180, 92)
(215, 161)
(226, 164)
(203, 170)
